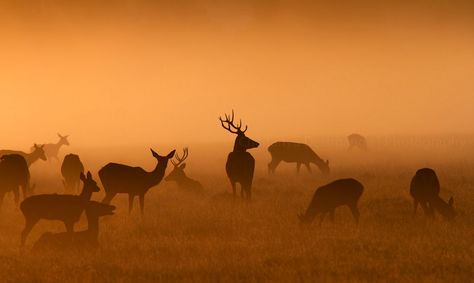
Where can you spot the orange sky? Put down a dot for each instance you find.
(138, 76)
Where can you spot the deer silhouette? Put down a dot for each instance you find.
(134, 181)
(52, 149)
(184, 182)
(298, 153)
(71, 169)
(77, 241)
(425, 188)
(328, 197)
(240, 164)
(357, 141)
(14, 173)
(37, 152)
(66, 208)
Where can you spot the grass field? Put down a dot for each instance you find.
(213, 238)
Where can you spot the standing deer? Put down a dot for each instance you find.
(37, 152)
(77, 241)
(14, 173)
(134, 181)
(358, 141)
(184, 182)
(240, 164)
(327, 198)
(424, 188)
(66, 208)
(52, 149)
(298, 153)
(71, 169)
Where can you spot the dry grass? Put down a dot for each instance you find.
(212, 238)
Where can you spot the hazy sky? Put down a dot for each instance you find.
(140, 72)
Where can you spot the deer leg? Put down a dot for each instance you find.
(427, 209)
(298, 167)
(355, 213)
(30, 223)
(234, 189)
(142, 203)
(16, 196)
(308, 167)
(321, 219)
(130, 203)
(69, 227)
(242, 191)
(273, 165)
(108, 197)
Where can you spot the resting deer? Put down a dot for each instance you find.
(358, 141)
(37, 152)
(66, 208)
(184, 182)
(327, 198)
(71, 168)
(14, 173)
(240, 164)
(134, 181)
(424, 188)
(87, 239)
(298, 153)
(52, 149)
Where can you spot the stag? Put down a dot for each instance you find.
(14, 173)
(134, 181)
(71, 168)
(37, 152)
(184, 182)
(240, 164)
(298, 153)
(52, 149)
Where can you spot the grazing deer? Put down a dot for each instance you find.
(298, 153)
(134, 181)
(327, 198)
(82, 240)
(14, 173)
(66, 208)
(37, 152)
(240, 164)
(358, 141)
(71, 169)
(184, 182)
(424, 188)
(52, 149)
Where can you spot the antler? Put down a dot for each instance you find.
(180, 159)
(230, 123)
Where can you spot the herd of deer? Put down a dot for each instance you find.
(135, 181)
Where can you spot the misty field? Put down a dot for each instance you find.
(211, 237)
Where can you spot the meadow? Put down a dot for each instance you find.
(211, 237)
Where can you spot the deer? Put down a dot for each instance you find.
(71, 168)
(77, 241)
(14, 173)
(298, 153)
(184, 182)
(37, 152)
(66, 208)
(134, 181)
(240, 164)
(425, 188)
(52, 149)
(328, 197)
(357, 141)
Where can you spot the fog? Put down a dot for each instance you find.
(145, 73)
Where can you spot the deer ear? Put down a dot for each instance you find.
(82, 176)
(35, 145)
(171, 154)
(327, 162)
(59, 135)
(182, 166)
(89, 175)
(451, 201)
(154, 153)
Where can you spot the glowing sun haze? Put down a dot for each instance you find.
(142, 72)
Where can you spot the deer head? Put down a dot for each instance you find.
(63, 139)
(160, 158)
(242, 142)
(38, 149)
(178, 170)
(90, 186)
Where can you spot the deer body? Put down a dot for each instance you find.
(240, 164)
(357, 141)
(328, 197)
(179, 176)
(298, 153)
(66, 208)
(134, 181)
(77, 240)
(36, 154)
(71, 169)
(425, 188)
(14, 173)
